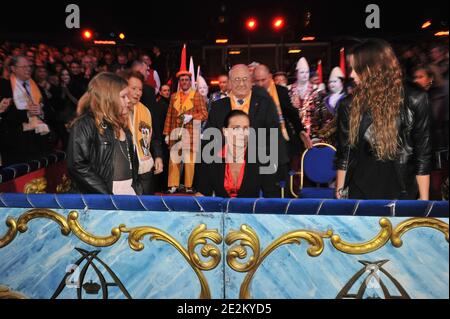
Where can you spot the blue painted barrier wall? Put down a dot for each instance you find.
(74, 246)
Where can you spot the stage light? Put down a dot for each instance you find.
(234, 52)
(308, 38)
(278, 23)
(294, 51)
(441, 34)
(121, 36)
(251, 24)
(221, 41)
(426, 24)
(214, 83)
(104, 42)
(87, 34)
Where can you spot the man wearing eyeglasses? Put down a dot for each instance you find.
(261, 109)
(26, 123)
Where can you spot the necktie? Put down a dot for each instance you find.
(25, 86)
(240, 101)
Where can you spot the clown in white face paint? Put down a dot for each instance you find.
(336, 86)
(202, 87)
(327, 110)
(303, 95)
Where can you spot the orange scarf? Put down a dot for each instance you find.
(33, 98)
(36, 96)
(244, 107)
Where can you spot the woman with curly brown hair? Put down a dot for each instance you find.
(384, 148)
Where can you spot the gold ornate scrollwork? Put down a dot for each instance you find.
(6, 293)
(36, 186)
(250, 239)
(197, 237)
(367, 247)
(410, 224)
(22, 222)
(90, 239)
(10, 234)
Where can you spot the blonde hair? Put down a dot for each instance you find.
(380, 91)
(103, 100)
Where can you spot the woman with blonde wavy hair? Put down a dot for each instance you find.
(384, 149)
(100, 157)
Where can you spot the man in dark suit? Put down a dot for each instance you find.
(261, 109)
(26, 128)
(292, 129)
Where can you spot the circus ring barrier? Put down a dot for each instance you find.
(74, 246)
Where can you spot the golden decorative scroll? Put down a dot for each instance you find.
(367, 247)
(36, 186)
(412, 223)
(199, 236)
(6, 293)
(249, 238)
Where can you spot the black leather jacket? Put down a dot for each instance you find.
(414, 153)
(90, 157)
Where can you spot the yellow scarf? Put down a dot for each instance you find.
(141, 128)
(186, 104)
(244, 107)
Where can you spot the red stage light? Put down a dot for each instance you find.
(278, 23)
(87, 34)
(251, 24)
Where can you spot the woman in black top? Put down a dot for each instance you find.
(232, 174)
(384, 148)
(101, 157)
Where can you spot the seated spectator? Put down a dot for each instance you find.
(231, 175)
(27, 128)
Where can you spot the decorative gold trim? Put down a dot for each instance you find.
(36, 186)
(367, 247)
(197, 237)
(410, 224)
(24, 219)
(10, 234)
(249, 238)
(6, 293)
(90, 239)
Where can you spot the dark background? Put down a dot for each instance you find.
(204, 21)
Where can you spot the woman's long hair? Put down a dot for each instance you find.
(102, 99)
(380, 91)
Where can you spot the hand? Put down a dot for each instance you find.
(187, 118)
(166, 139)
(159, 166)
(306, 140)
(35, 110)
(198, 194)
(4, 104)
